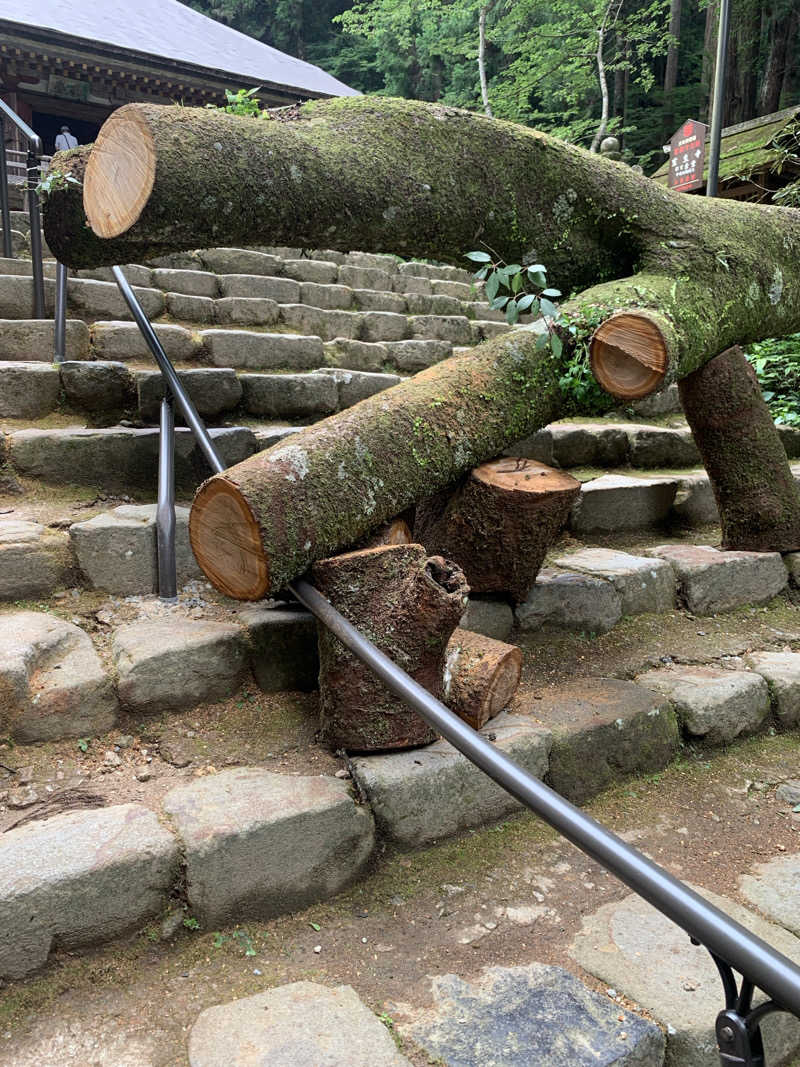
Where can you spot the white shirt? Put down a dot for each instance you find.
(65, 141)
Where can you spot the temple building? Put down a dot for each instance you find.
(72, 62)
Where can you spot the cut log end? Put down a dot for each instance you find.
(524, 475)
(226, 541)
(628, 355)
(120, 173)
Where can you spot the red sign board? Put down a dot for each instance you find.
(687, 153)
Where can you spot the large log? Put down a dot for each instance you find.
(736, 437)
(498, 523)
(415, 178)
(409, 605)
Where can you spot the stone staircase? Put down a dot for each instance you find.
(158, 763)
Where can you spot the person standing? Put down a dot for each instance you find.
(65, 140)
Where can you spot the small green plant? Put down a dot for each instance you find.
(777, 366)
(518, 290)
(244, 941)
(242, 102)
(83, 744)
(191, 923)
(56, 179)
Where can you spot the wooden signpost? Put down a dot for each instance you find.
(687, 154)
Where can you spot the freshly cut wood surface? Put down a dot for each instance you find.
(120, 173)
(628, 355)
(408, 604)
(498, 522)
(481, 676)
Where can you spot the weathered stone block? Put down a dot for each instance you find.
(781, 672)
(486, 329)
(239, 261)
(694, 502)
(538, 446)
(267, 436)
(289, 395)
(353, 386)
(634, 948)
(28, 390)
(16, 296)
(103, 300)
(417, 354)
(283, 648)
(311, 270)
(188, 282)
(246, 311)
(355, 355)
(263, 844)
(33, 340)
(383, 326)
(372, 261)
(107, 871)
(33, 560)
(104, 389)
(714, 704)
(262, 351)
(774, 888)
(490, 616)
(570, 600)
(212, 390)
(452, 328)
(599, 445)
(281, 290)
(190, 308)
(364, 277)
(602, 729)
(411, 283)
(123, 341)
(298, 1025)
(511, 1011)
(384, 300)
(459, 290)
(172, 663)
(52, 684)
(431, 793)
(326, 296)
(320, 323)
(644, 584)
(615, 502)
(655, 446)
(710, 580)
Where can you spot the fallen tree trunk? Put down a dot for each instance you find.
(736, 437)
(415, 178)
(498, 523)
(409, 605)
(481, 676)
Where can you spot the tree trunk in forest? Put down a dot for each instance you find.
(709, 58)
(736, 437)
(481, 676)
(408, 605)
(601, 77)
(780, 46)
(482, 59)
(741, 82)
(498, 523)
(404, 176)
(671, 71)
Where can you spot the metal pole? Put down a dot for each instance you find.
(719, 97)
(60, 352)
(182, 399)
(769, 970)
(36, 237)
(8, 247)
(165, 510)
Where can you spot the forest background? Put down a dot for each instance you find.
(542, 57)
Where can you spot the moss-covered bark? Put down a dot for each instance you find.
(736, 437)
(332, 483)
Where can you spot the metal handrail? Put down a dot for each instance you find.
(35, 152)
(731, 945)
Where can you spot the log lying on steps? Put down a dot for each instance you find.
(498, 523)
(736, 437)
(481, 676)
(408, 604)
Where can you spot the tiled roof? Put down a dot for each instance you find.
(168, 29)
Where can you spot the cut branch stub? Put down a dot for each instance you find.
(498, 523)
(481, 676)
(408, 605)
(628, 355)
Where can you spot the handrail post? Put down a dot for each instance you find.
(165, 510)
(36, 236)
(60, 319)
(8, 245)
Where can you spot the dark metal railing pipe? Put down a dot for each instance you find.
(165, 509)
(60, 318)
(718, 106)
(8, 245)
(182, 398)
(771, 971)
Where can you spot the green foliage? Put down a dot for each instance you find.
(55, 179)
(519, 291)
(191, 923)
(777, 366)
(242, 102)
(83, 744)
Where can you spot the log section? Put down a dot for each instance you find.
(498, 523)
(481, 676)
(408, 604)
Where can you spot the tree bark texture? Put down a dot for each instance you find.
(498, 523)
(408, 604)
(736, 437)
(481, 676)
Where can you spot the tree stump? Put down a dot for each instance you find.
(396, 532)
(498, 523)
(406, 603)
(481, 676)
(757, 496)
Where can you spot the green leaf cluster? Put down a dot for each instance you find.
(777, 366)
